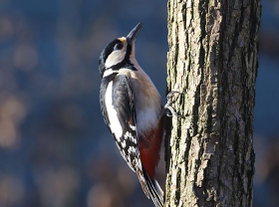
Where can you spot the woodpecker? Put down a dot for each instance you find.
(132, 110)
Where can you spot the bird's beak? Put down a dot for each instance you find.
(132, 36)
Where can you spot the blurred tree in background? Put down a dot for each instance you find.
(55, 150)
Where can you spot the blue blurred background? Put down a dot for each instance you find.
(55, 150)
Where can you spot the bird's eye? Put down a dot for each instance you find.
(118, 46)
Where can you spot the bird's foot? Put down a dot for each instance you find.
(168, 109)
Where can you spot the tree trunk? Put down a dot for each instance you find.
(212, 61)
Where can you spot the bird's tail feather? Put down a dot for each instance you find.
(155, 191)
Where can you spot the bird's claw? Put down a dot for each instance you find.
(169, 110)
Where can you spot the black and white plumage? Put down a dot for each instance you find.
(131, 107)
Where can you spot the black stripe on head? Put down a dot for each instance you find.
(126, 63)
(105, 53)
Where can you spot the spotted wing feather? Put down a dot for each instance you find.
(122, 98)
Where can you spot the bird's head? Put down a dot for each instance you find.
(119, 53)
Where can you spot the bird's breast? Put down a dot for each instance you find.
(147, 102)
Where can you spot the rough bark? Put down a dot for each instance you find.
(212, 61)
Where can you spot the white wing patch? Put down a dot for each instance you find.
(114, 123)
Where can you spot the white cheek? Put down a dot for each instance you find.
(114, 123)
(114, 58)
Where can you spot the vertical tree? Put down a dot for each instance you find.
(212, 61)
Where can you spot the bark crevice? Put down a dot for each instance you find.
(212, 61)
